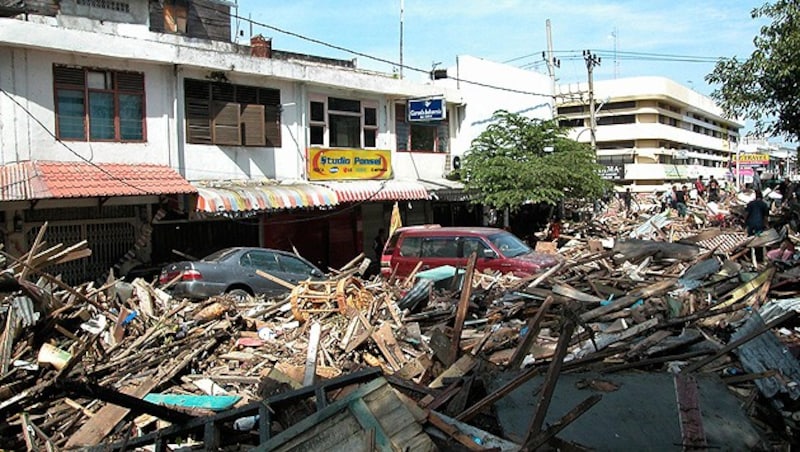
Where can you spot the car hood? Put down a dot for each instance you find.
(541, 259)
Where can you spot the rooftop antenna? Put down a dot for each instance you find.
(402, 8)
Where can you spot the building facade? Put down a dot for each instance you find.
(651, 132)
(178, 138)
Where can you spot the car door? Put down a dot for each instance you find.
(406, 255)
(267, 262)
(438, 251)
(481, 247)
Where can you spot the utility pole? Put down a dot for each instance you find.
(592, 60)
(402, 7)
(552, 62)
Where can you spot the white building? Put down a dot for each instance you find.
(142, 98)
(652, 132)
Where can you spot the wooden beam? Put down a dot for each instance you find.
(463, 306)
(738, 342)
(275, 279)
(550, 381)
(533, 332)
(311, 354)
(545, 436)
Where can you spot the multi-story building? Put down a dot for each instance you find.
(139, 125)
(651, 132)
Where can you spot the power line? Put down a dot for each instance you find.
(73, 152)
(371, 57)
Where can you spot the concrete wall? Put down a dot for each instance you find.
(481, 101)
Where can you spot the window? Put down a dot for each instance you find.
(342, 123)
(472, 245)
(233, 115)
(578, 122)
(98, 104)
(440, 247)
(261, 260)
(410, 247)
(294, 265)
(420, 136)
(621, 119)
(570, 109)
(176, 13)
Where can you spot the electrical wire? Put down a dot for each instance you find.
(73, 152)
(372, 57)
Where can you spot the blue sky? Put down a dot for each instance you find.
(436, 31)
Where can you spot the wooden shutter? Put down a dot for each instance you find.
(227, 130)
(198, 112)
(253, 133)
(69, 77)
(272, 126)
(271, 99)
(130, 81)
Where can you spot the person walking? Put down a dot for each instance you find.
(700, 187)
(680, 201)
(755, 214)
(713, 190)
(626, 198)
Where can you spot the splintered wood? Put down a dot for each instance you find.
(646, 291)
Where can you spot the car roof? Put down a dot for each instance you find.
(452, 230)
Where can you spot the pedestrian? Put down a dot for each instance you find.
(626, 198)
(757, 180)
(378, 243)
(700, 187)
(666, 199)
(713, 190)
(755, 216)
(680, 201)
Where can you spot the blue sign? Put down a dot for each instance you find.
(430, 109)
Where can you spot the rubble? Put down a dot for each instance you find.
(691, 304)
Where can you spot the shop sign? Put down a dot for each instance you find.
(349, 164)
(430, 109)
(612, 172)
(754, 159)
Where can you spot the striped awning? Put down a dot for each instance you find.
(373, 190)
(250, 198)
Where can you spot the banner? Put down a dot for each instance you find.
(395, 223)
(348, 164)
(753, 159)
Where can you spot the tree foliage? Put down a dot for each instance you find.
(764, 88)
(518, 159)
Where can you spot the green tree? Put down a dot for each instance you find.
(518, 159)
(764, 87)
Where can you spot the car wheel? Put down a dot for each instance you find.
(240, 295)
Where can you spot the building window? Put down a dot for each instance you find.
(342, 123)
(420, 136)
(176, 13)
(98, 104)
(232, 115)
(578, 122)
(570, 109)
(620, 119)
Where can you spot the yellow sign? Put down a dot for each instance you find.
(348, 164)
(755, 159)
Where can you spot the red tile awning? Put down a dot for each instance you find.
(373, 190)
(32, 180)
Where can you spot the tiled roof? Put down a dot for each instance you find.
(31, 180)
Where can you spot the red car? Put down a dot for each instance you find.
(435, 246)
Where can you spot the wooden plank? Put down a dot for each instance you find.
(458, 369)
(453, 432)
(745, 289)
(550, 381)
(540, 439)
(387, 344)
(650, 291)
(275, 279)
(691, 420)
(533, 332)
(463, 306)
(311, 354)
(99, 426)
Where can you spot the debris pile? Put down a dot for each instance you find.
(427, 361)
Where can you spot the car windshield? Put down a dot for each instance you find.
(219, 255)
(509, 244)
